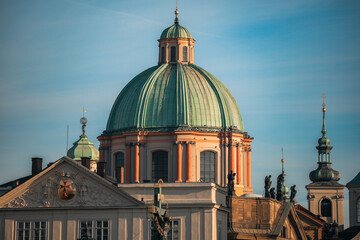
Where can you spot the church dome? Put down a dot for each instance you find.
(174, 96)
(175, 31)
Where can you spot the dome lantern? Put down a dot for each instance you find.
(176, 44)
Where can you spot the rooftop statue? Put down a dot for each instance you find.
(267, 186)
(231, 177)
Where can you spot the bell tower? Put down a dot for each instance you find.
(325, 194)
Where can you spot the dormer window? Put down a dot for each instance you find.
(185, 53)
(173, 54)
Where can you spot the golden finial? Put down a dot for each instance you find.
(176, 11)
(323, 105)
(282, 160)
(176, 14)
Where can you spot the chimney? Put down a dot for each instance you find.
(36, 165)
(101, 169)
(85, 161)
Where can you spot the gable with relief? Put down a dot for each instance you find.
(67, 184)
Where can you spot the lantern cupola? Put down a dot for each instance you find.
(176, 44)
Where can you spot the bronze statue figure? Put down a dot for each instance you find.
(272, 193)
(267, 186)
(231, 177)
(280, 182)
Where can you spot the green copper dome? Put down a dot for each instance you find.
(175, 31)
(174, 96)
(324, 172)
(83, 148)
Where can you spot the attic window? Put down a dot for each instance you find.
(185, 53)
(159, 166)
(173, 54)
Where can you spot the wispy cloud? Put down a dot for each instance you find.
(122, 13)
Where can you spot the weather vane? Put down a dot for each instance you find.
(83, 121)
(176, 14)
(323, 97)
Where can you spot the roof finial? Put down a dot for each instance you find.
(83, 121)
(323, 105)
(323, 131)
(176, 14)
(282, 160)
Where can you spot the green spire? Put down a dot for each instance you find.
(323, 131)
(324, 147)
(324, 172)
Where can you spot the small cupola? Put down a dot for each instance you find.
(84, 148)
(176, 44)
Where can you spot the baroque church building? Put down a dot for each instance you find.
(175, 146)
(175, 122)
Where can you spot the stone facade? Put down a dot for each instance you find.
(199, 209)
(263, 218)
(354, 200)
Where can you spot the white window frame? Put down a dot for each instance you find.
(94, 227)
(31, 229)
(172, 230)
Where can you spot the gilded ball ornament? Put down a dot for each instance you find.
(83, 120)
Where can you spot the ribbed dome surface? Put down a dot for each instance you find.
(175, 31)
(174, 95)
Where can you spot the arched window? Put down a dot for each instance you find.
(185, 52)
(159, 166)
(119, 166)
(326, 208)
(173, 54)
(163, 55)
(119, 159)
(358, 209)
(207, 166)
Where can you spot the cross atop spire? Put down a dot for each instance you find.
(176, 13)
(323, 131)
(84, 111)
(282, 160)
(323, 105)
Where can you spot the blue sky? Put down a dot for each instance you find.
(276, 57)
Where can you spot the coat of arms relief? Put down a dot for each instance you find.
(64, 188)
